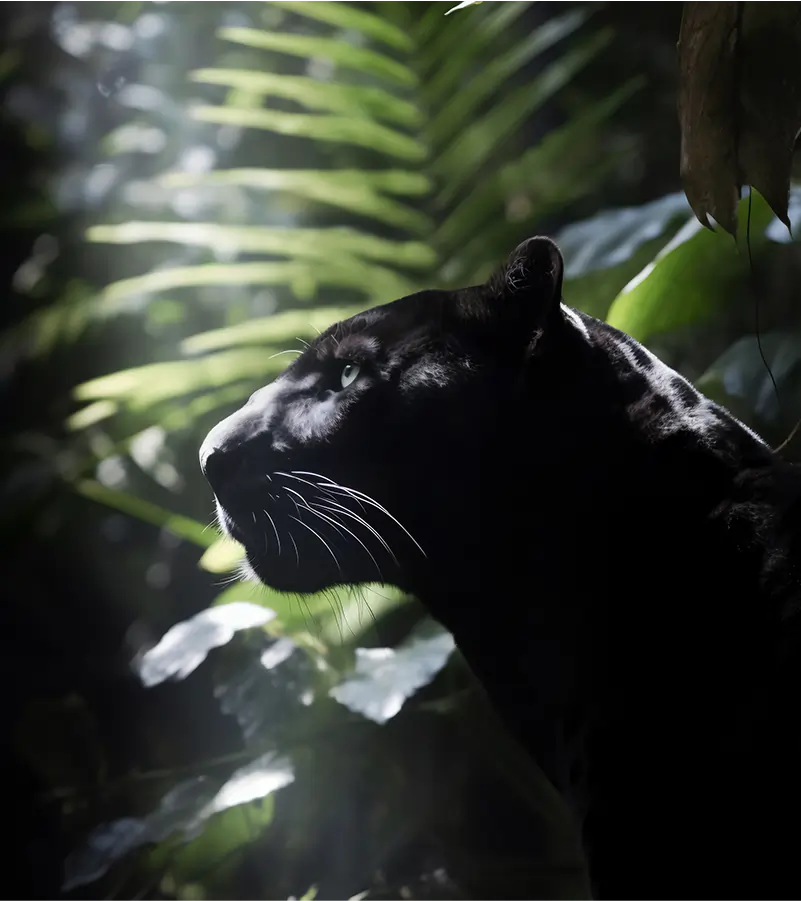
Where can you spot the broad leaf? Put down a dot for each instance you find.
(741, 377)
(187, 644)
(385, 678)
(683, 285)
(183, 809)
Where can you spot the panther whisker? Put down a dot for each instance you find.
(374, 503)
(316, 485)
(339, 525)
(294, 545)
(298, 494)
(290, 351)
(358, 519)
(367, 526)
(359, 590)
(367, 499)
(339, 610)
(355, 538)
(275, 529)
(228, 580)
(211, 524)
(290, 475)
(320, 538)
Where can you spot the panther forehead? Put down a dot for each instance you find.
(354, 345)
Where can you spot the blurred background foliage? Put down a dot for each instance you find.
(190, 190)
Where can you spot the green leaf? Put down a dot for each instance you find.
(275, 330)
(142, 386)
(211, 858)
(91, 415)
(300, 243)
(185, 808)
(376, 282)
(348, 100)
(613, 236)
(343, 53)
(466, 104)
(222, 557)
(340, 616)
(181, 413)
(741, 380)
(295, 614)
(474, 146)
(564, 166)
(356, 192)
(346, 15)
(448, 54)
(683, 285)
(388, 181)
(320, 128)
(595, 291)
(357, 611)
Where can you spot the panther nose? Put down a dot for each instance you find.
(220, 454)
(238, 447)
(213, 462)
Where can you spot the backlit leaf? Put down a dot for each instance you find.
(343, 53)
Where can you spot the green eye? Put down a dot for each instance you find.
(350, 373)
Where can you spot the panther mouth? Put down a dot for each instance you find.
(304, 532)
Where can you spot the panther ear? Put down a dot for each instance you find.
(532, 275)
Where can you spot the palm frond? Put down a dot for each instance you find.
(431, 106)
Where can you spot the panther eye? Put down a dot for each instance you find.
(350, 373)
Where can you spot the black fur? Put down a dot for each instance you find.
(617, 558)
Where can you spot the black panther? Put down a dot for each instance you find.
(616, 556)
